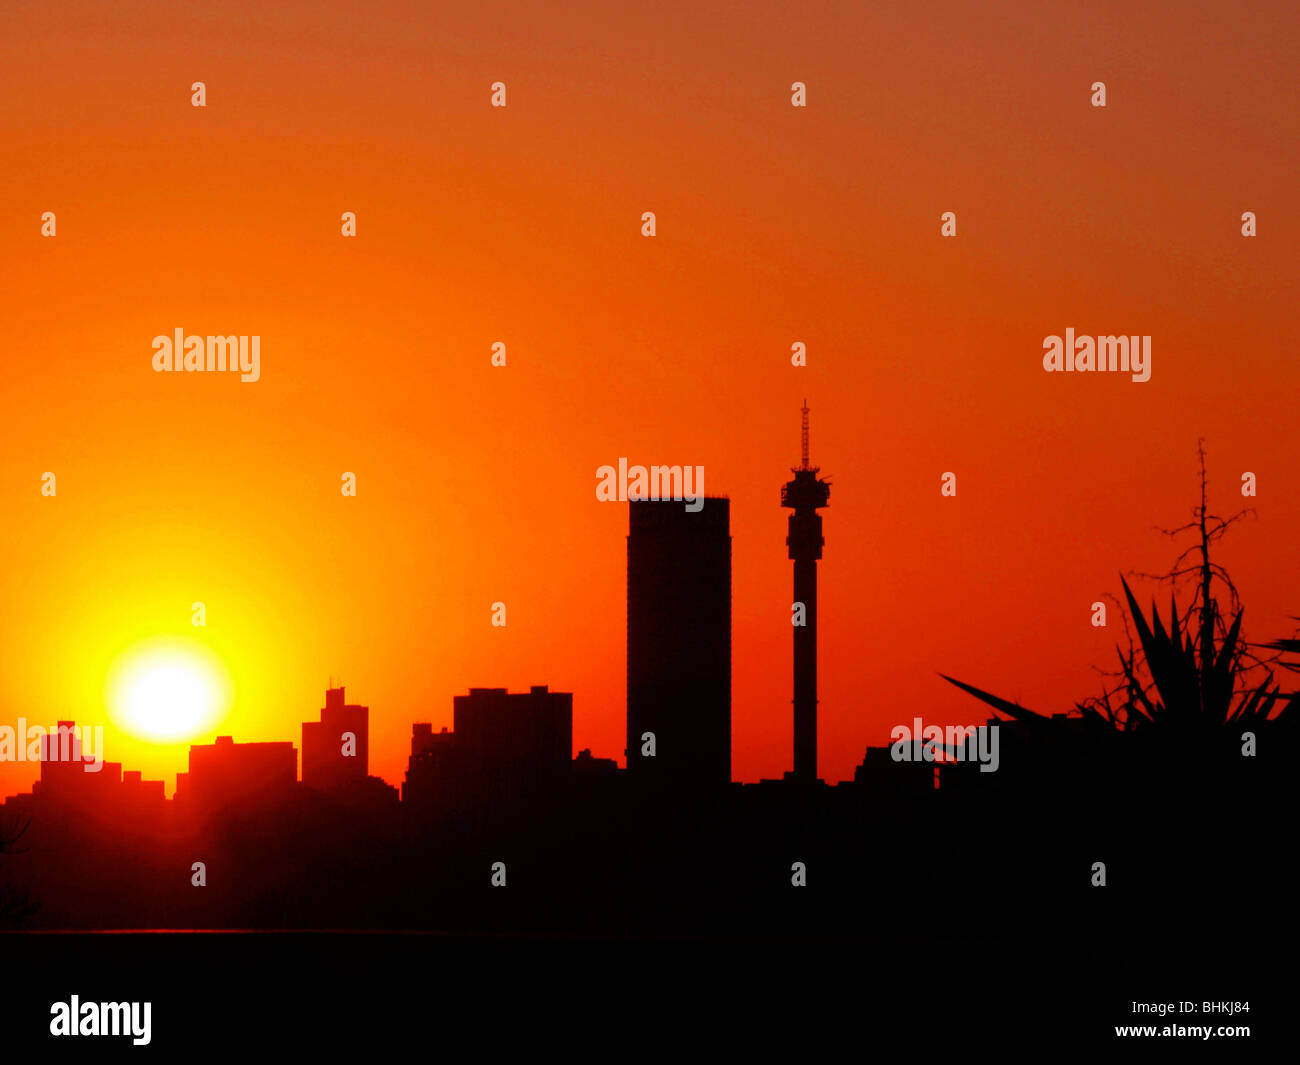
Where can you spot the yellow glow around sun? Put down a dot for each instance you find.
(167, 689)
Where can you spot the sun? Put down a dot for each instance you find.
(167, 689)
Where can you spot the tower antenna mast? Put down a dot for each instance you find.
(804, 437)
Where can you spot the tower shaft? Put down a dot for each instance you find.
(805, 672)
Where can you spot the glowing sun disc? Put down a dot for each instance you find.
(167, 689)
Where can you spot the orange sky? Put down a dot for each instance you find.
(776, 225)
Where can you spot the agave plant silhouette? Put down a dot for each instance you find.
(1288, 647)
(1191, 684)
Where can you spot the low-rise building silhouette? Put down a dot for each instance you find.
(502, 746)
(883, 776)
(230, 774)
(138, 793)
(585, 764)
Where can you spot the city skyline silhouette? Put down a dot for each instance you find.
(921, 353)
(502, 793)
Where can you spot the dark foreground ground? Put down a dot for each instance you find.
(967, 921)
(977, 984)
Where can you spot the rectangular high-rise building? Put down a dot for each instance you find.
(336, 749)
(679, 642)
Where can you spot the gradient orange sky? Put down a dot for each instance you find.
(522, 225)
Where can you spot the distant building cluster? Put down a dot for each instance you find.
(64, 781)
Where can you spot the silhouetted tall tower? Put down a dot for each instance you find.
(679, 642)
(804, 495)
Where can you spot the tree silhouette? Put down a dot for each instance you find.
(15, 906)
